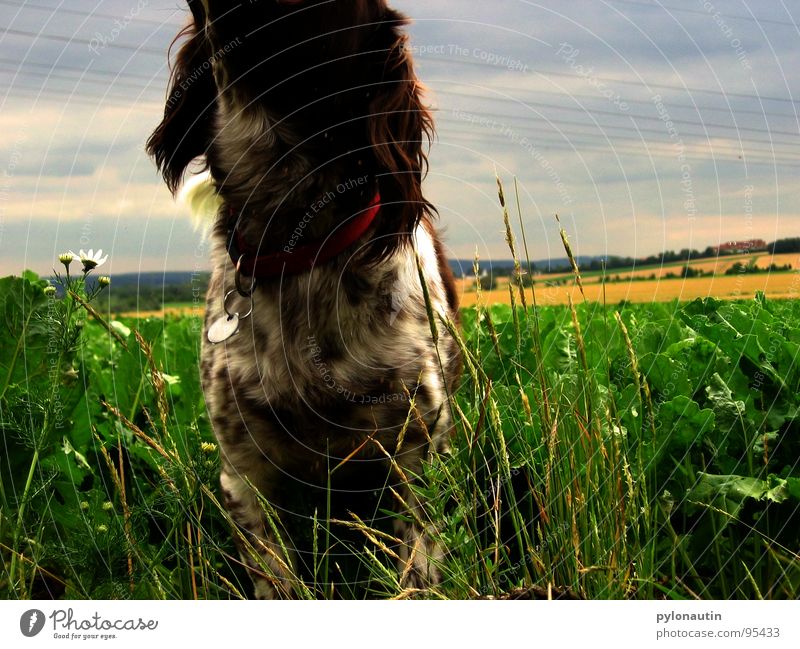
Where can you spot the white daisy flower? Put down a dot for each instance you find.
(91, 259)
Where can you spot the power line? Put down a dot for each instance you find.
(658, 5)
(601, 127)
(478, 113)
(72, 68)
(612, 138)
(55, 74)
(650, 5)
(462, 61)
(83, 41)
(580, 147)
(433, 58)
(33, 94)
(583, 111)
(456, 132)
(60, 77)
(86, 14)
(459, 60)
(506, 89)
(58, 95)
(622, 152)
(667, 102)
(118, 80)
(453, 125)
(469, 135)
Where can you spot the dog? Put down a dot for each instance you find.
(321, 367)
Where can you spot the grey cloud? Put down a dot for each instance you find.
(132, 244)
(624, 184)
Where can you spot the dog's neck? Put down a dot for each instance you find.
(274, 182)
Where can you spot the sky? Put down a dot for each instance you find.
(645, 125)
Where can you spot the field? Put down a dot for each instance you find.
(627, 285)
(627, 451)
(634, 285)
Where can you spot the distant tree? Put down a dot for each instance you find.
(687, 272)
(791, 244)
(736, 268)
(488, 282)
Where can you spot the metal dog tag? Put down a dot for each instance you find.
(224, 328)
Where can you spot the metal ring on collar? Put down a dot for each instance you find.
(231, 315)
(238, 277)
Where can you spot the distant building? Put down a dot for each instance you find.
(739, 247)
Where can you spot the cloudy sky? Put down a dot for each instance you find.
(646, 125)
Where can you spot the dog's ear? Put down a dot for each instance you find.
(186, 130)
(400, 130)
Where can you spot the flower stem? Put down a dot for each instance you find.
(20, 515)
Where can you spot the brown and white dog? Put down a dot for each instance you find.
(319, 367)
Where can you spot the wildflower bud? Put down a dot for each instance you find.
(208, 447)
(107, 506)
(49, 291)
(66, 259)
(84, 505)
(102, 529)
(103, 281)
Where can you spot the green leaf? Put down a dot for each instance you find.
(720, 397)
(25, 333)
(729, 493)
(681, 422)
(666, 376)
(793, 487)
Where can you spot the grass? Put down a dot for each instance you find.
(646, 452)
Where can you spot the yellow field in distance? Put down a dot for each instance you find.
(784, 285)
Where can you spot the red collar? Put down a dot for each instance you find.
(301, 258)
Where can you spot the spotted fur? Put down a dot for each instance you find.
(336, 367)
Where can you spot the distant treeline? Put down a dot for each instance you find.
(613, 262)
(140, 293)
(670, 256)
(666, 257)
(751, 269)
(129, 297)
(784, 245)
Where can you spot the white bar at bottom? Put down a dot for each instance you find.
(377, 624)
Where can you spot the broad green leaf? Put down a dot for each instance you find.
(26, 332)
(729, 493)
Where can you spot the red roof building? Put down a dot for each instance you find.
(734, 247)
